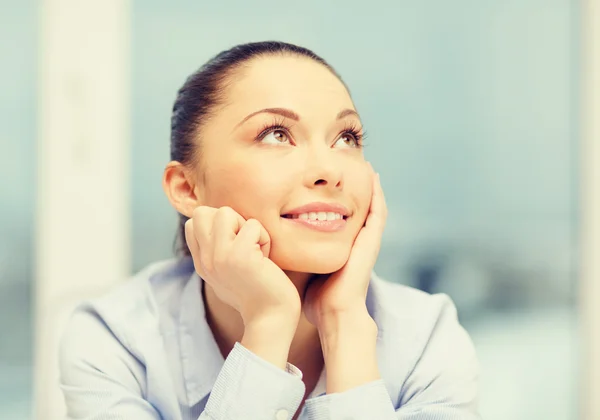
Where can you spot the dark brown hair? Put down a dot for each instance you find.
(203, 92)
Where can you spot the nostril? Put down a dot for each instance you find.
(321, 182)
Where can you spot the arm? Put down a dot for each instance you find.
(442, 385)
(101, 379)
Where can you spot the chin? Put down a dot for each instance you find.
(314, 259)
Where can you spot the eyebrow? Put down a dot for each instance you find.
(288, 113)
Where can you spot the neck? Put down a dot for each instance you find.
(228, 328)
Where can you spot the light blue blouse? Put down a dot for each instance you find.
(145, 351)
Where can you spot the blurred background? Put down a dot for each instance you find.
(473, 111)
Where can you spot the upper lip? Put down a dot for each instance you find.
(320, 207)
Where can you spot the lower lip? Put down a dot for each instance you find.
(320, 225)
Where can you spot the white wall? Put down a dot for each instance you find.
(590, 228)
(83, 159)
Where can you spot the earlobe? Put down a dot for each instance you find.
(179, 188)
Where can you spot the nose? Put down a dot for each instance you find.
(323, 171)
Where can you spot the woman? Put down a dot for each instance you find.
(272, 310)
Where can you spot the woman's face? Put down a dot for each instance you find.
(288, 136)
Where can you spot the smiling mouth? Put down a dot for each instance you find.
(316, 216)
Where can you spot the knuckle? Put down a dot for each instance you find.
(199, 212)
(253, 223)
(221, 214)
(226, 213)
(225, 210)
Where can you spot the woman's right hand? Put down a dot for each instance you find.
(232, 255)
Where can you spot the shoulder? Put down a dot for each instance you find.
(425, 353)
(140, 298)
(409, 305)
(122, 323)
(419, 323)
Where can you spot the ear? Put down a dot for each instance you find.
(179, 186)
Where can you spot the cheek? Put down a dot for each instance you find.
(246, 188)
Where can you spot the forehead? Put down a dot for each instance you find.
(298, 83)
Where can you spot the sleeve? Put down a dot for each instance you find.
(443, 384)
(249, 387)
(100, 380)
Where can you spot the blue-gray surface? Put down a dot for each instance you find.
(471, 110)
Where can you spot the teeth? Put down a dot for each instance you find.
(320, 216)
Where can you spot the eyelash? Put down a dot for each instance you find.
(276, 125)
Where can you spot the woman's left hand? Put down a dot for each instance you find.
(344, 292)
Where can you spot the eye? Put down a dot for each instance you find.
(276, 136)
(347, 140)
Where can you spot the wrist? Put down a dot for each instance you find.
(356, 320)
(272, 327)
(349, 332)
(270, 339)
(349, 344)
(278, 319)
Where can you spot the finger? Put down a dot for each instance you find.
(226, 225)
(368, 240)
(203, 220)
(192, 243)
(378, 208)
(203, 217)
(251, 234)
